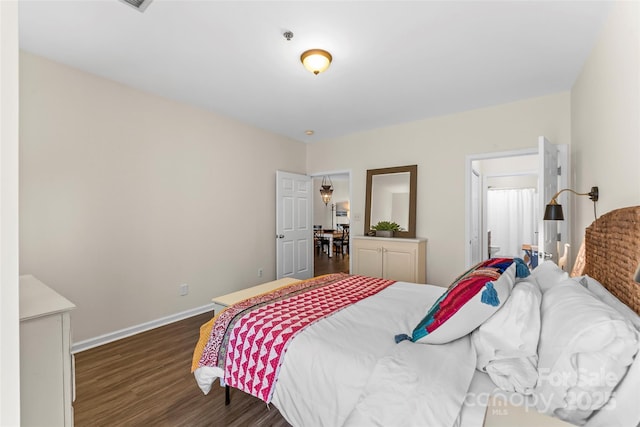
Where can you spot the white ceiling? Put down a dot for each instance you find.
(393, 61)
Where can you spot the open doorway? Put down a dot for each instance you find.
(331, 222)
(543, 171)
(503, 204)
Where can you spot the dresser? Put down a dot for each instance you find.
(46, 363)
(390, 258)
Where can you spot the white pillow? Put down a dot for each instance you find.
(622, 409)
(584, 351)
(463, 307)
(507, 342)
(600, 292)
(548, 274)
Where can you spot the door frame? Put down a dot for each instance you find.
(9, 216)
(347, 172)
(475, 219)
(563, 181)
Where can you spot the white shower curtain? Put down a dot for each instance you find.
(511, 219)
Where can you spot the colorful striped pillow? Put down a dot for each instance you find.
(470, 300)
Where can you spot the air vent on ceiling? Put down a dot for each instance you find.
(140, 5)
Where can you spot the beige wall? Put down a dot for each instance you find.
(605, 119)
(439, 147)
(600, 118)
(125, 195)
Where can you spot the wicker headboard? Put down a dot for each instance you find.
(612, 253)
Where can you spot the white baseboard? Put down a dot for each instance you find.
(127, 332)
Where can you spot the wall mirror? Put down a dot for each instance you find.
(391, 196)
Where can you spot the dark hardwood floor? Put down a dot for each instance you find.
(338, 263)
(145, 380)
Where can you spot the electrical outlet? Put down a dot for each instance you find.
(260, 272)
(184, 289)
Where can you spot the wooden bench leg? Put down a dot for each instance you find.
(227, 397)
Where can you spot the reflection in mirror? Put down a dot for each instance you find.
(391, 196)
(390, 199)
(342, 210)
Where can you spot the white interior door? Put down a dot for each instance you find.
(294, 231)
(547, 188)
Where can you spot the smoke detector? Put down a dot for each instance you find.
(140, 5)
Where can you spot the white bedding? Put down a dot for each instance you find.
(366, 378)
(347, 370)
(507, 343)
(416, 385)
(475, 404)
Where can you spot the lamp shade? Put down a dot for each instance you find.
(316, 60)
(553, 212)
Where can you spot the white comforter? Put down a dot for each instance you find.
(348, 370)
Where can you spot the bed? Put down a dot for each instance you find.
(355, 351)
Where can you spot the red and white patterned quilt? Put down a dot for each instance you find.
(249, 340)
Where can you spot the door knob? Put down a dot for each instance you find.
(546, 255)
(279, 236)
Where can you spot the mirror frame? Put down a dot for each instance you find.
(413, 179)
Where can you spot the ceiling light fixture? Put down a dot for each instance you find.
(316, 60)
(140, 5)
(309, 132)
(327, 190)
